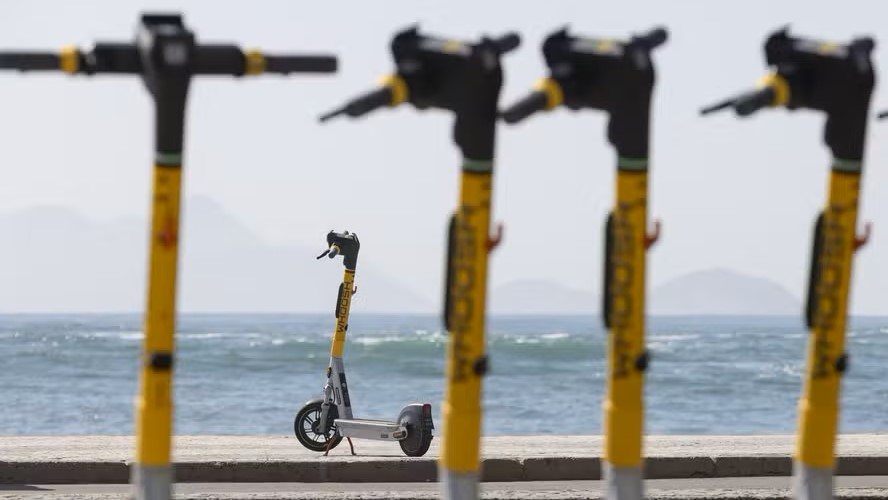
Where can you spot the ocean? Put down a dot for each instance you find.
(249, 374)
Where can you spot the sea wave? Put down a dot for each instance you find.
(249, 374)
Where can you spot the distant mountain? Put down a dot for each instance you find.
(719, 291)
(711, 292)
(54, 260)
(541, 297)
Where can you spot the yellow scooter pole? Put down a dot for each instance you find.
(463, 78)
(618, 78)
(348, 246)
(166, 55)
(838, 80)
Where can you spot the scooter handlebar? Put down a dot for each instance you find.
(653, 38)
(753, 101)
(300, 64)
(331, 252)
(508, 42)
(232, 60)
(220, 60)
(363, 104)
(384, 96)
(209, 59)
(532, 103)
(30, 61)
(745, 104)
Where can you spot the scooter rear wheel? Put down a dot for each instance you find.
(305, 425)
(418, 439)
(417, 446)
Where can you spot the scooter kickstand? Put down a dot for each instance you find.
(329, 443)
(350, 445)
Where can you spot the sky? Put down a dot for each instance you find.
(734, 194)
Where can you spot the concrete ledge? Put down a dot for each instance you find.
(418, 470)
(679, 467)
(494, 469)
(565, 468)
(753, 466)
(863, 466)
(848, 494)
(63, 472)
(209, 459)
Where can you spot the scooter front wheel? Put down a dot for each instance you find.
(306, 426)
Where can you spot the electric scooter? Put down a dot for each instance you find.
(838, 80)
(464, 78)
(322, 423)
(618, 78)
(165, 54)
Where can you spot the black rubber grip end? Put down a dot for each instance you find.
(532, 103)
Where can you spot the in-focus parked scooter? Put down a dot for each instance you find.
(321, 423)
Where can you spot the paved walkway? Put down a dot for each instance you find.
(752, 488)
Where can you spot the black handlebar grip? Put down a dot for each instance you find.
(30, 61)
(536, 101)
(507, 42)
(370, 101)
(654, 38)
(364, 104)
(726, 103)
(300, 64)
(753, 101)
(334, 251)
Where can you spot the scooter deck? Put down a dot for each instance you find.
(371, 429)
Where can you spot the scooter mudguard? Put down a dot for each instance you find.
(416, 416)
